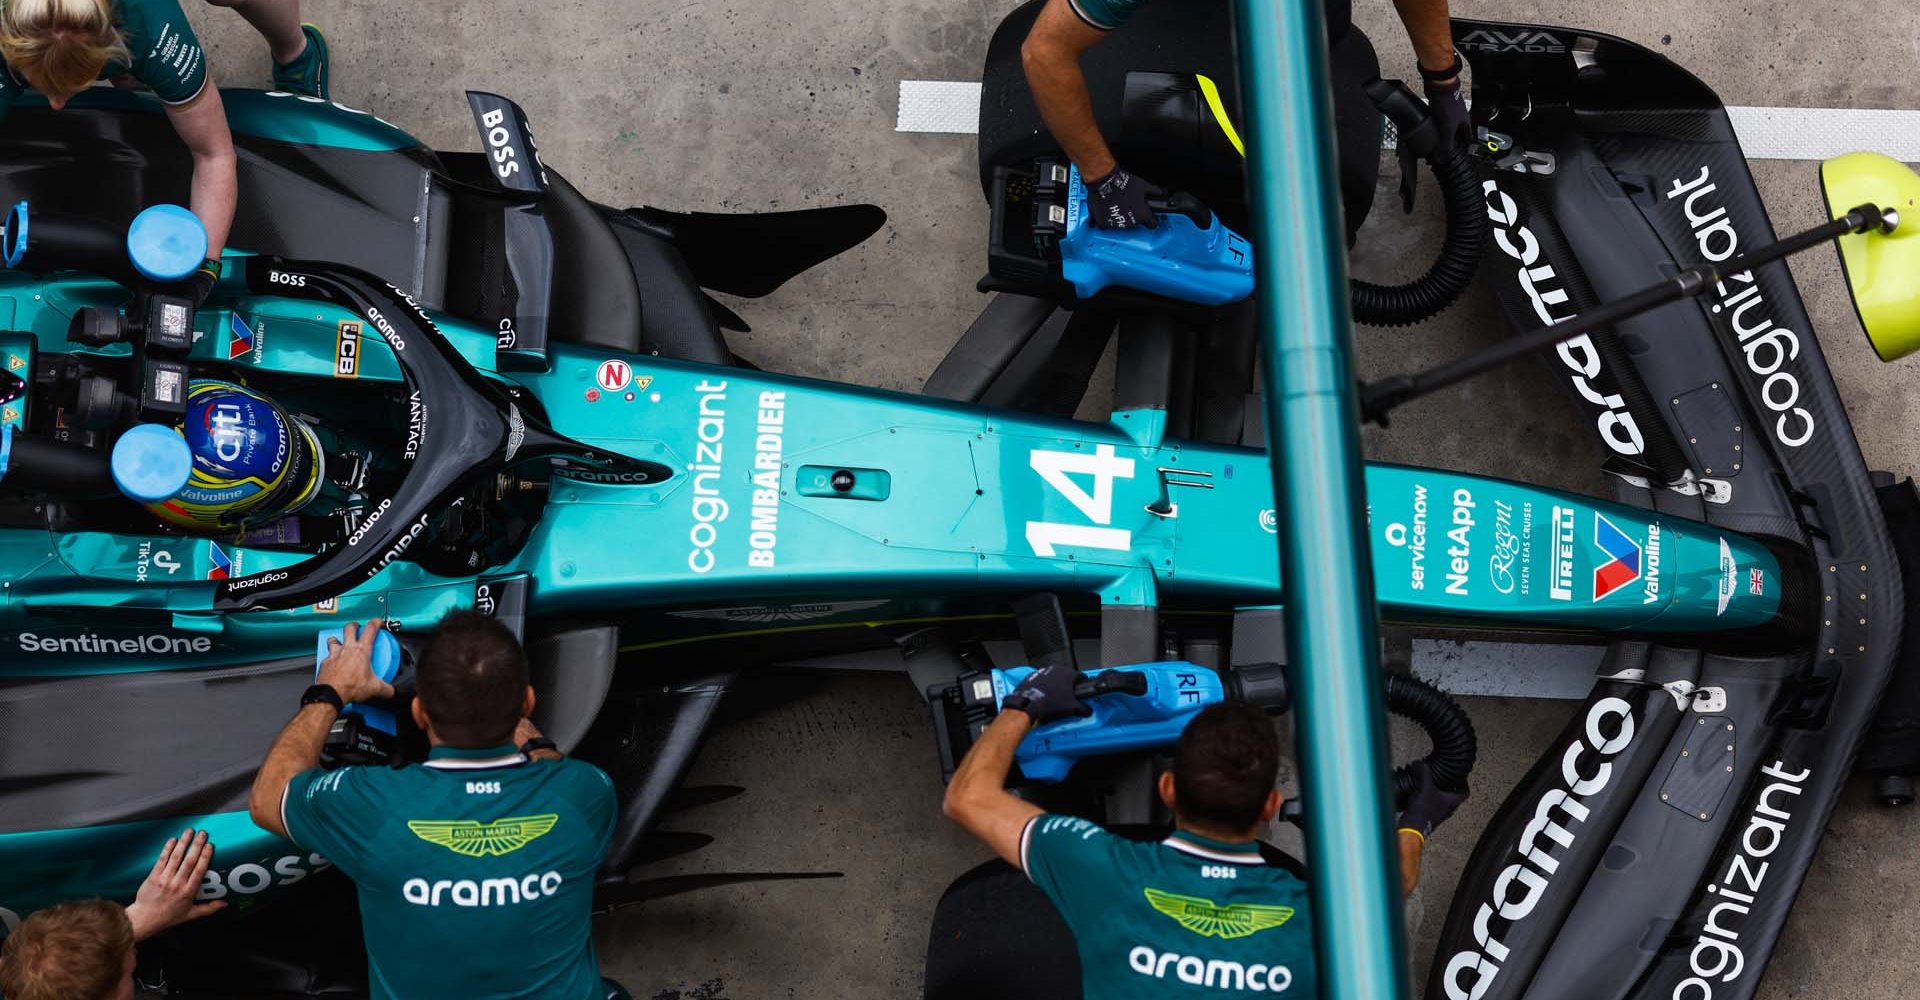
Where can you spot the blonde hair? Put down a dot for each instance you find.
(73, 951)
(60, 46)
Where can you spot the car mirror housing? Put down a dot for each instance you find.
(1882, 266)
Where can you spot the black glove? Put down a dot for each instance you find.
(1446, 101)
(200, 283)
(1430, 805)
(1046, 695)
(1119, 201)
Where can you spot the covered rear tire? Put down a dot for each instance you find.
(1893, 790)
(996, 936)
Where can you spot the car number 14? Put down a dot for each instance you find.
(1056, 468)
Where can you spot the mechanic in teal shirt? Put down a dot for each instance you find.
(1198, 914)
(1066, 28)
(60, 47)
(475, 869)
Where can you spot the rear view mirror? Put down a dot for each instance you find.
(1882, 266)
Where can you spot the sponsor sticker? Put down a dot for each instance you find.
(327, 607)
(9, 415)
(219, 566)
(346, 350)
(244, 341)
(1270, 521)
(1622, 566)
(613, 375)
(15, 362)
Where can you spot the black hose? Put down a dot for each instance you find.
(37, 465)
(57, 242)
(1446, 724)
(1459, 260)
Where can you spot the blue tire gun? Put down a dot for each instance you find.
(1043, 242)
(1146, 706)
(368, 733)
(1143, 706)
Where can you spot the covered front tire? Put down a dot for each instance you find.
(996, 936)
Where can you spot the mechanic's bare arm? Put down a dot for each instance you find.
(1430, 31)
(1412, 847)
(296, 749)
(977, 797)
(348, 669)
(525, 731)
(202, 124)
(1051, 55)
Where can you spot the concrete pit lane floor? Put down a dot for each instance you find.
(738, 106)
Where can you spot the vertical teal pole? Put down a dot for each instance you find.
(1314, 437)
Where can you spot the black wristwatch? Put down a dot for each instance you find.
(1437, 75)
(538, 743)
(322, 693)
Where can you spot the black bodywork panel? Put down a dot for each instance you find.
(366, 208)
(1640, 859)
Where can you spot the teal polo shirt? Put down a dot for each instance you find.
(166, 53)
(1184, 917)
(1105, 14)
(475, 869)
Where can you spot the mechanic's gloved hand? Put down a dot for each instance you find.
(1046, 695)
(1119, 201)
(1430, 805)
(200, 283)
(1446, 99)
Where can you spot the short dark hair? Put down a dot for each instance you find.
(72, 951)
(1224, 766)
(472, 680)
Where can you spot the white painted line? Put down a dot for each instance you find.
(939, 106)
(1765, 133)
(1819, 133)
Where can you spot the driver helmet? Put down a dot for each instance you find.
(252, 463)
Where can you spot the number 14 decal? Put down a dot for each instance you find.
(1104, 466)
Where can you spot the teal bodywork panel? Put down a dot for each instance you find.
(260, 114)
(949, 501)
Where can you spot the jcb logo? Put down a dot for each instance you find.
(346, 351)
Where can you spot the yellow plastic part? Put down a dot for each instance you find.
(1211, 92)
(1883, 269)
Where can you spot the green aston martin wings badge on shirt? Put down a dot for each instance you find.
(483, 854)
(477, 840)
(1183, 917)
(1209, 919)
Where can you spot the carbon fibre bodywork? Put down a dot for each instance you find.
(1656, 849)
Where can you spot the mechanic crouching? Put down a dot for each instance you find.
(1145, 914)
(475, 869)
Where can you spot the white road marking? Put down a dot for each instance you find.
(939, 106)
(953, 107)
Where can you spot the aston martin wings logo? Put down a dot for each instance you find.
(477, 840)
(1206, 919)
